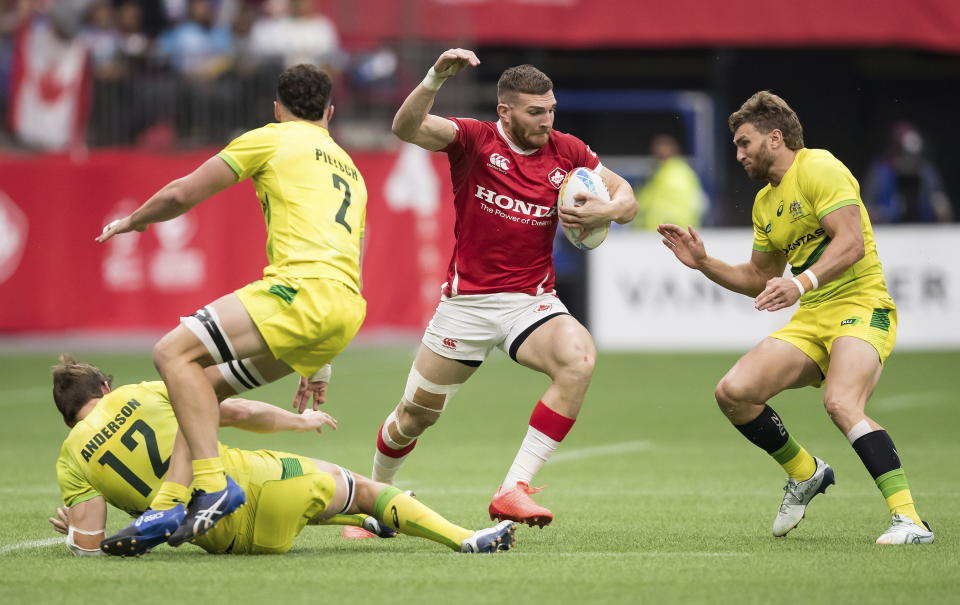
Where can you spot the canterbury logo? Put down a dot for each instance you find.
(449, 343)
(499, 162)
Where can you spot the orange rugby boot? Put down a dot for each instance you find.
(515, 504)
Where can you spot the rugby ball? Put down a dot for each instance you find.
(583, 180)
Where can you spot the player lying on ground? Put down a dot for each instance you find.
(120, 447)
(809, 215)
(500, 281)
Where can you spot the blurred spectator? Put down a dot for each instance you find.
(294, 32)
(903, 185)
(673, 193)
(102, 40)
(196, 47)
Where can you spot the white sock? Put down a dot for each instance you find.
(535, 450)
(385, 468)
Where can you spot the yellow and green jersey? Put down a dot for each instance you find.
(121, 450)
(313, 198)
(786, 218)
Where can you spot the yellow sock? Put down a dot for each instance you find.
(413, 518)
(170, 495)
(798, 463)
(901, 503)
(801, 467)
(351, 520)
(208, 475)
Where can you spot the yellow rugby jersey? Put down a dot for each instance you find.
(787, 218)
(121, 450)
(313, 199)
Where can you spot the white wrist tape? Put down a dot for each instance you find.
(323, 374)
(799, 285)
(815, 283)
(435, 79)
(78, 551)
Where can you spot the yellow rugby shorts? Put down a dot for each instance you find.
(305, 321)
(813, 329)
(284, 492)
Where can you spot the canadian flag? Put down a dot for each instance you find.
(51, 88)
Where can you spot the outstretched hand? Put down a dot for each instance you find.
(121, 225)
(316, 420)
(453, 60)
(307, 390)
(685, 244)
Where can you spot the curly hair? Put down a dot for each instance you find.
(74, 384)
(767, 112)
(305, 90)
(525, 79)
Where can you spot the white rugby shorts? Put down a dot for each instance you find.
(466, 327)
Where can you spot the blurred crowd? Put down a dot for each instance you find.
(164, 70)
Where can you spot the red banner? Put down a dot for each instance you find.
(54, 277)
(930, 24)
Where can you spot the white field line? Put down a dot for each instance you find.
(905, 401)
(31, 544)
(601, 450)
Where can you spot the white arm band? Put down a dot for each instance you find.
(799, 285)
(815, 283)
(322, 375)
(76, 550)
(435, 79)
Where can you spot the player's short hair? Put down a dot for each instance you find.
(74, 384)
(305, 91)
(523, 78)
(767, 112)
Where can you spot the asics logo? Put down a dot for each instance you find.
(499, 162)
(148, 518)
(208, 516)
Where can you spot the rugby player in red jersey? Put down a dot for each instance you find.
(500, 281)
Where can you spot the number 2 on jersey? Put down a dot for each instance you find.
(342, 213)
(153, 451)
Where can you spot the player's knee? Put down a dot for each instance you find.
(732, 395)
(416, 417)
(164, 354)
(837, 407)
(577, 363)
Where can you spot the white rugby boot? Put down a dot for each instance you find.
(798, 494)
(905, 530)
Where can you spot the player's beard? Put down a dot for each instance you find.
(760, 164)
(527, 140)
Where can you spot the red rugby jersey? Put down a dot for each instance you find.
(506, 208)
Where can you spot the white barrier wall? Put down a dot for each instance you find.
(643, 298)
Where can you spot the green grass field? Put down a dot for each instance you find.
(657, 499)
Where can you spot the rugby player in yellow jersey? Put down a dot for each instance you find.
(809, 215)
(121, 443)
(304, 311)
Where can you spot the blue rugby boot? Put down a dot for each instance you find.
(150, 529)
(490, 540)
(205, 510)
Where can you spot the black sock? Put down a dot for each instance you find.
(766, 431)
(877, 452)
